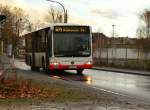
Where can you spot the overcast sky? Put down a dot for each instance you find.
(100, 14)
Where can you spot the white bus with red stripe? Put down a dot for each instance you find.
(60, 47)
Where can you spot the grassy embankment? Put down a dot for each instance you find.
(14, 89)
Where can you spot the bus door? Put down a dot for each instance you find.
(48, 46)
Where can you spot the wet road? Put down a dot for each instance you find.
(135, 86)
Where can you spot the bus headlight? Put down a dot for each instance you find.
(89, 63)
(55, 63)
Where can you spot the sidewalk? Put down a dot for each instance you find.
(127, 71)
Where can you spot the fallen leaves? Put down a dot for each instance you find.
(24, 89)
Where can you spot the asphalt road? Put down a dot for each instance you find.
(133, 86)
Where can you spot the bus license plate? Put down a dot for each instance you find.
(72, 67)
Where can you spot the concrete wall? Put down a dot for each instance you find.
(117, 53)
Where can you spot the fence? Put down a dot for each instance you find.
(121, 53)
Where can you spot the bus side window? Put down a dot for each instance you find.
(50, 42)
(37, 41)
(43, 41)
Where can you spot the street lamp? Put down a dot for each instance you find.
(65, 11)
(113, 43)
(113, 27)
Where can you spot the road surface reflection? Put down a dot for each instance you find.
(71, 75)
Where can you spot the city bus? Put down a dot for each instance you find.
(60, 47)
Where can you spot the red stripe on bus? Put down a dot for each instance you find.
(62, 67)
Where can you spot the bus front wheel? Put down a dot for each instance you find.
(79, 72)
(33, 68)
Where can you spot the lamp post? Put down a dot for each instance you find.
(113, 27)
(65, 11)
(113, 44)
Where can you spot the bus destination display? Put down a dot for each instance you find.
(71, 29)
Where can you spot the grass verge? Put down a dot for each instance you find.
(14, 90)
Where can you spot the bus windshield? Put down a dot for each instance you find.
(72, 44)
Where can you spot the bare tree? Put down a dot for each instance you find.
(144, 24)
(142, 32)
(54, 15)
(12, 27)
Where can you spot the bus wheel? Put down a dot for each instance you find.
(32, 68)
(30, 61)
(47, 70)
(79, 72)
(37, 68)
(43, 63)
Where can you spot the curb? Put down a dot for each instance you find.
(142, 73)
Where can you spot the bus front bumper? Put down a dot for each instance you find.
(69, 67)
